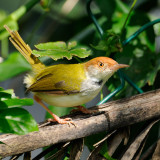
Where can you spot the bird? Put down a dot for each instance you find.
(64, 85)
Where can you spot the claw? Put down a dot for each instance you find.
(84, 110)
(56, 118)
(63, 121)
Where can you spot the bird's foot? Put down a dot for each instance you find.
(61, 121)
(84, 110)
(55, 117)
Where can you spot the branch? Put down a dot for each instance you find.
(17, 14)
(114, 115)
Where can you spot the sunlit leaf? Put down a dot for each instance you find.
(17, 120)
(59, 50)
(52, 46)
(79, 52)
(15, 102)
(72, 44)
(14, 119)
(9, 91)
(4, 94)
(14, 65)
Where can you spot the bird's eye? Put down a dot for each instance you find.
(100, 64)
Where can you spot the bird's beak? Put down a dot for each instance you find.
(118, 66)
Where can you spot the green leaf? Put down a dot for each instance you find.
(140, 53)
(110, 43)
(148, 36)
(15, 102)
(4, 94)
(54, 54)
(80, 52)
(59, 50)
(3, 15)
(14, 65)
(52, 46)
(3, 105)
(72, 44)
(17, 120)
(14, 119)
(9, 93)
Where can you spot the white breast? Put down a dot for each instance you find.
(89, 89)
(71, 100)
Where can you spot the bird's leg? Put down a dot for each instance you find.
(83, 110)
(56, 118)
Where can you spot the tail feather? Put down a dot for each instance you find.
(25, 50)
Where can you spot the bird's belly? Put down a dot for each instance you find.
(71, 100)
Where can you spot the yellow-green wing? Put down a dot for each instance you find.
(62, 78)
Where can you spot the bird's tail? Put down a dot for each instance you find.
(25, 50)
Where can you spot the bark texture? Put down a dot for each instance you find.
(112, 115)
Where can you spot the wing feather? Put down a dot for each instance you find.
(59, 79)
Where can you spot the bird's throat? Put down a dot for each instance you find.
(99, 82)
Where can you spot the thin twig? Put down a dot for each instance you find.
(125, 23)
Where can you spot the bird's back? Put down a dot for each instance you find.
(61, 77)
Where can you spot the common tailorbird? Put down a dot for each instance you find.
(65, 85)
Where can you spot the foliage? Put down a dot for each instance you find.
(45, 4)
(13, 65)
(110, 43)
(15, 119)
(9, 20)
(58, 50)
(140, 53)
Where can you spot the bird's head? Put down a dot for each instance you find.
(102, 68)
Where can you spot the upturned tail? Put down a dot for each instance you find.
(25, 50)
